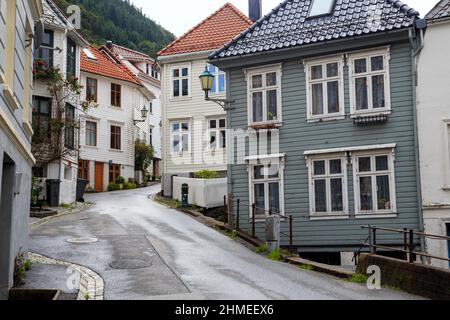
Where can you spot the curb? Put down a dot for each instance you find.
(91, 284)
(63, 213)
(320, 267)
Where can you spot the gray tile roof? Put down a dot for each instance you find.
(288, 25)
(441, 10)
(52, 15)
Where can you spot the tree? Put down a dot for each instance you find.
(143, 156)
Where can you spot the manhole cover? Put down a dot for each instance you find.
(130, 264)
(85, 240)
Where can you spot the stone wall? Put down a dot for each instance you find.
(422, 280)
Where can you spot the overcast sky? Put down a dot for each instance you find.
(178, 16)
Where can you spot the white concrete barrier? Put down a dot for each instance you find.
(205, 193)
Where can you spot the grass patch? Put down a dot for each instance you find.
(171, 203)
(66, 206)
(358, 278)
(27, 265)
(232, 234)
(306, 267)
(275, 255)
(261, 249)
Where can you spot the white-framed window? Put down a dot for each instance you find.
(370, 82)
(328, 187)
(217, 132)
(180, 81)
(264, 95)
(374, 182)
(219, 84)
(180, 136)
(266, 180)
(324, 87)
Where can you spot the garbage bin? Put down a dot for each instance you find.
(53, 192)
(81, 189)
(185, 195)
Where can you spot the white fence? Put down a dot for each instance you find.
(205, 193)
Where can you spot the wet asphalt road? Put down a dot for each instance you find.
(147, 251)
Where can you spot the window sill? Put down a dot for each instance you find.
(9, 96)
(115, 150)
(116, 108)
(91, 147)
(370, 113)
(321, 217)
(266, 125)
(325, 119)
(180, 99)
(361, 216)
(28, 128)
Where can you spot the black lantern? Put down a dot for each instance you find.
(206, 80)
(144, 114)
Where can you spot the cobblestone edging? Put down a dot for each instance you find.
(62, 213)
(92, 286)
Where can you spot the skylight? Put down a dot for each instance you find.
(89, 54)
(321, 7)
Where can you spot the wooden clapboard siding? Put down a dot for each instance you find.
(298, 136)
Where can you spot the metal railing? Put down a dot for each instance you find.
(254, 209)
(409, 245)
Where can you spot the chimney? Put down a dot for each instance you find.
(255, 10)
(109, 44)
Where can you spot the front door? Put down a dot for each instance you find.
(98, 177)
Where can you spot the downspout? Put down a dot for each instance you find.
(414, 54)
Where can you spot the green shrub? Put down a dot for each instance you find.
(358, 278)
(113, 186)
(275, 255)
(206, 174)
(120, 180)
(261, 249)
(129, 186)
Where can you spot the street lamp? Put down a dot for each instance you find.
(207, 81)
(144, 114)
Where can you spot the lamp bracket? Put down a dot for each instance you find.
(225, 104)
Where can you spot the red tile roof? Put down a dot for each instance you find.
(106, 66)
(212, 33)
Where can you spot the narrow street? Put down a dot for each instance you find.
(147, 251)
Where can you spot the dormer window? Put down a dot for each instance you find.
(321, 7)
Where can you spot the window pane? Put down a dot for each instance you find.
(365, 185)
(332, 70)
(212, 68)
(176, 88)
(185, 87)
(360, 66)
(185, 142)
(185, 126)
(337, 202)
(212, 124)
(382, 163)
(259, 197)
(333, 97)
(185, 72)
(271, 79)
(258, 172)
(221, 83)
(257, 81)
(223, 139)
(317, 98)
(257, 107)
(175, 127)
(383, 193)
(319, 168)
(362, 102)
(316, 72)
(378, 91)
(272, 113)
(377, 63)
(335, 166)
(320, 194)
(222, 123)
(365, 165)
(176, 73)
(214, 86)
(176, 143)
(274, 197)
(273, 171)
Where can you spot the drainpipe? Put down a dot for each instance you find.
(414, 54)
